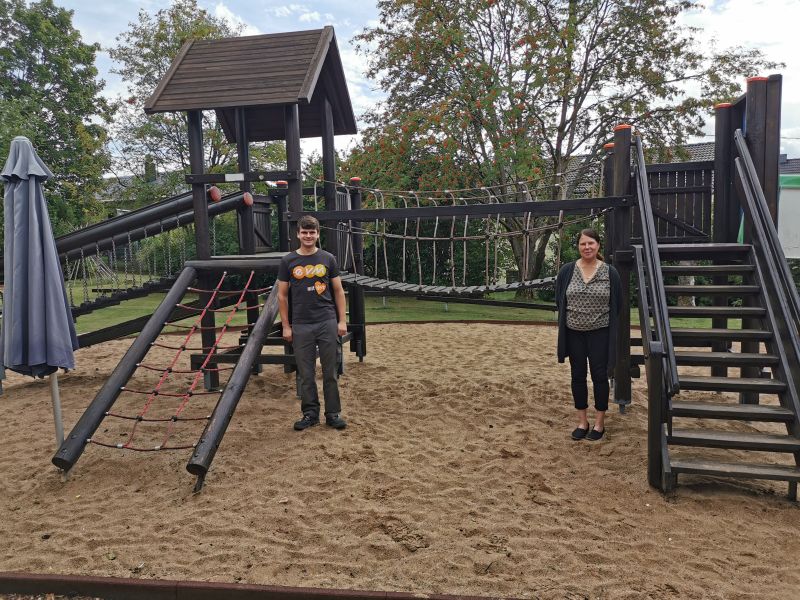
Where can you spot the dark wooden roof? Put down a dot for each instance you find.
(262, 73)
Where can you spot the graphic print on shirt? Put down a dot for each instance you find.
(309, 271)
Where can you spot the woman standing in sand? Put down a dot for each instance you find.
(588, 298)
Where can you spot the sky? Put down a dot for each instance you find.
(770, 25)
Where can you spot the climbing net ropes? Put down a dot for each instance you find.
(461, 242)
(168, 391)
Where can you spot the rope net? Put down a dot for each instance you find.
(166, 389)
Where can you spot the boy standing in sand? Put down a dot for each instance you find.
(317, 318)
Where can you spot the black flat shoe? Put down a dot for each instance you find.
(595, 435)
(579, 433)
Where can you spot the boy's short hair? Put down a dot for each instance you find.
(308, 222)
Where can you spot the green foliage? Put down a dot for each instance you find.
(143, 55)
(50, 93)
(486, 93)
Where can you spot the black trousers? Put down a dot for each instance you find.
(591, 346)
(307, 338)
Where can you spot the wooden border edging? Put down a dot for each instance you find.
(118, 588)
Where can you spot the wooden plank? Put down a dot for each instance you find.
(700, 251)
(727, 439)
(706, 290)
(728, 312)
(707, 269)
(216, 78)
(551, 208)
(315, 63)
(731, 384)
(687, 189)
(681, 166)
(719, 334)
(733, 359)
(743, 412)
(772, 144)
(739, 470)
(154, 97)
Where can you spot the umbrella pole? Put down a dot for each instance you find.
(56, 398)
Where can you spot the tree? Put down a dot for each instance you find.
(50, 93)
(486, 93)
(144, 54)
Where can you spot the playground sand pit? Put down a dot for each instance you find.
(455, 475)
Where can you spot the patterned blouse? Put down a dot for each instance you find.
(588, 302)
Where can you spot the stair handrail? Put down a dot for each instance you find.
(767, 243)
(655, 280)
(770, 232)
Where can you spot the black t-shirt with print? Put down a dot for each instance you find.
(309, 278)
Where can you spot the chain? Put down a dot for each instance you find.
(113, 262)
(85, 281)
(69, 278)
(182, 239)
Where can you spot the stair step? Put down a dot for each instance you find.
(708, 334)
(731, 384)
(702, 251)
(705, 438)
(742, 412)
(709, 290)
(731, 312)
(744, 470)
(730, 359)
(706, 269)
(709, 359)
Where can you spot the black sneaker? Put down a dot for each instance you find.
(335, 421)
(306, 422)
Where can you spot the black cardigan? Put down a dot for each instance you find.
(615, 301)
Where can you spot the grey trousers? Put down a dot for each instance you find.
(306, 338)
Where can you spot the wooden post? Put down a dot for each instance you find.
(245, 220)
(737, 121)
(202, 232)
(724, 214)
(772, 144)
(292, 131)
(622, 260)
(755, 134)
(247, 237)
(723, 168)
(608, 187)
(358, 321)
(329, 175)
(655, 413)
(283, 226)
(202, 235)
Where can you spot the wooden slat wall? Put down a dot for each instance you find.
(689, 201)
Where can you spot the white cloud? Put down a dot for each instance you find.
(310, 17)
(287, 10)
(770, 26)
(221, 11)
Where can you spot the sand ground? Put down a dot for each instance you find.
(455, 475)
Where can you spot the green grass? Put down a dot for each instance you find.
(378, 310)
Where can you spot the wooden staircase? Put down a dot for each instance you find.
(749, 360)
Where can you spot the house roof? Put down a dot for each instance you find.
(263, 74)
(788, 166)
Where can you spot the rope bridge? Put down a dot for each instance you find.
(430, 243)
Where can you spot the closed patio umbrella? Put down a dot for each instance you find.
(37, 336)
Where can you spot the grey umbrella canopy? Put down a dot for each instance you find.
(38, 334)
